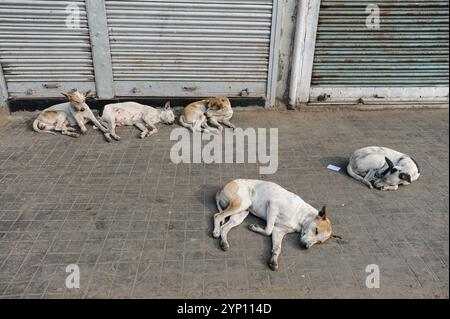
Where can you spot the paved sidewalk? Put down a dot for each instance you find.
(139, 226)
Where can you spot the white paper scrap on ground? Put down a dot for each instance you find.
(334, 168)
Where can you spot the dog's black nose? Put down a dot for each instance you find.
(305, 245)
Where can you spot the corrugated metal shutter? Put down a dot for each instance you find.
(190, 48)
(40, 56)
(409, 50)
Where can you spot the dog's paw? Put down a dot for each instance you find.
(224, 245)
(273, 265)
(253, 227)
(216, 233)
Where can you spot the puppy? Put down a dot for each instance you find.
(382, 168)
(62, 116)
(283, 211)
(139, 115)
(214, 111)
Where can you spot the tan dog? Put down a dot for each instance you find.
(196, 115)
(62, 117)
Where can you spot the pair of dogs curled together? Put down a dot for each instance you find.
(284, 212)
(196, 116)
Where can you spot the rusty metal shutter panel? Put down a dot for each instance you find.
(40, 56)
(190, 48)
(410, 49)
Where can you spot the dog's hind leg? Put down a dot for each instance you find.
(65, 130)
(237, 205)
(278, 234)
(357, 177)
(271, 213)
(234, 221)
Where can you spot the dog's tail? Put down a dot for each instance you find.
(356, 176)
(38, 130)
(219, 203)
(183, 123)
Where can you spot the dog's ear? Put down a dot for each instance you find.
(323, 212)
(406, 177)
(88, 94)
(390, 166)
(167, 105)
(67, 95)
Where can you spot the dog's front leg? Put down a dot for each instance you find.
(94, 120)
(142, 127)
(278, 234)
(271, 213)
(229, 124)
(370, 177)
(389, 188)
(215, 124)
(79, 118)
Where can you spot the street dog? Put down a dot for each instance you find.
(283, 211)
(139, 115)
(62, 117)
(382, 168)
(215, 111)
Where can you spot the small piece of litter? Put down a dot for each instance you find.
(334, 168)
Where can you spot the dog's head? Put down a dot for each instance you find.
(318, 231)
(78, 99)
(167, 116)
(218, 103)
(392, 175)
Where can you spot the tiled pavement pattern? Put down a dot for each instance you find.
(139, 226)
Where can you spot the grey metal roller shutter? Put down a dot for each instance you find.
(39, 55)
(409, 50)
(190, 48)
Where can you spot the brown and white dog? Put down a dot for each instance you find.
(215, 111)
(283, 211)
(62, 117)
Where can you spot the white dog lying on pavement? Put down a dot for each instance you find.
(132, 113)
(382, 168)
(284, 212)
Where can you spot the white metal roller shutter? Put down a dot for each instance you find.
(409, 50)
(39, 55)
(190, 48)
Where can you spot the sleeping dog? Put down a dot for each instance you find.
(283, 211)
(215, 111)
(382, 168)
(139, 115)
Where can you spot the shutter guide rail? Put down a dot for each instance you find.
(101, 54)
